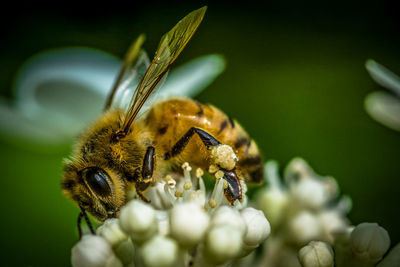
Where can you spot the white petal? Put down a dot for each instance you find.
(14, 125)
(64, 89)
(383, 76)
(384, 108)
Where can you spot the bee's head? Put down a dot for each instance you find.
(94, 189)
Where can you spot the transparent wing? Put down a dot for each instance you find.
(171, 45)
(133, 67)
(128, 84)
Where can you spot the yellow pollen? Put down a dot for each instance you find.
(213, 168)
(225, 184)
(212, 203)
(187, 185)
(178, 193)
(219, 174)
(199, 172)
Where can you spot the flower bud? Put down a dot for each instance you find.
(310, 192)
(316, 254)
(258, 228)
(331, 221)
(138, 219)
(93, 251)
(273, 202)
(369, 242)
(111, 232)
(226, 215)
(125, 251)
(223, 242)
(392, 259)
(304, 227)
(188, 223)
(160, 251)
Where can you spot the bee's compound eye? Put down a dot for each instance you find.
(98, 181)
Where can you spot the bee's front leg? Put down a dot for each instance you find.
(147, 173)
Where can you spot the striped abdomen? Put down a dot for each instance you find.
(170, 120)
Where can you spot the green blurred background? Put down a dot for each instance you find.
(295, 79)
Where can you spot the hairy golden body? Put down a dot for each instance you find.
(165, 123)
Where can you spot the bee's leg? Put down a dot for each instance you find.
(207, 139)
(234, 190)
(147, 173)
(140, 187)
(148, 164)
(84, 215)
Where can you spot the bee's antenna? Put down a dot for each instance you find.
(83, 214)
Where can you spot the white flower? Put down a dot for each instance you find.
(138, 219)
(258, 228)
(93, 251)
(223, 243)
(160, 251)
(58, 92)
(316, 254)
(369, 242)
(111, 231)
(188, 223)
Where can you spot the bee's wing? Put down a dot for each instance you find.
(132, 71)
(171, 45)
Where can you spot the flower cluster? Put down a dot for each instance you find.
(183, 226)
(309, 225)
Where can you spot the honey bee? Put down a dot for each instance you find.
(122, 151)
